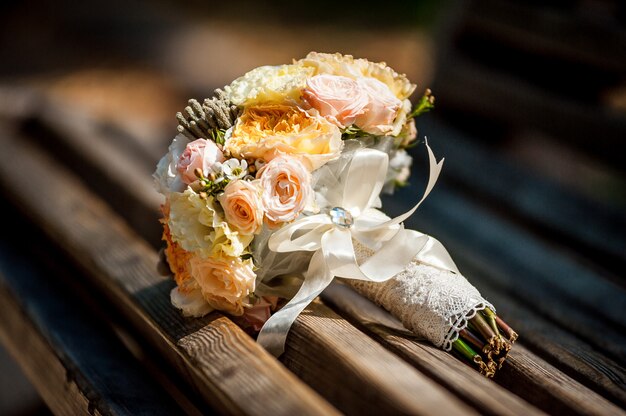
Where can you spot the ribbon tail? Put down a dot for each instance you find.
(274, 333)
(435, 254)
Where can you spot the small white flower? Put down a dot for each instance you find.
(235, 169)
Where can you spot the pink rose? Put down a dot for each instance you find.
(202, 154)
(339, 99)
(381, 110)
(260, 312)
(242, 206)
(286, 185)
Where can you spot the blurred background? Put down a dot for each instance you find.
(539, 86)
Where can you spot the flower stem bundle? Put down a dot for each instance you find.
(485, 342)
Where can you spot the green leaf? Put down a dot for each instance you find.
(424, 105)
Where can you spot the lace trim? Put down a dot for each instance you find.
(462, 322)
(433, 303)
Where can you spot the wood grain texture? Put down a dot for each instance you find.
(77, 365)
(89, 232)
(326, 351)
(553, 209)
(303, 356)
(39, 361)
(479, 392)
(555, 394)
(104, 160)
(214, 349)
(534, 107)
(571, 354)
(123, 268)
(558, 393)
(596, 371)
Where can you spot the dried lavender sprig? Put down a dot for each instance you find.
(202, 120)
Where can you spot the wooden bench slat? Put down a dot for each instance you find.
(534, 107)
(522, 374)
(61, 128)
(599, 237)
(486, 396)
(527, 392)
(106, 249)
(69, 132)
(77, 366)
(608, 383)
(123, 268)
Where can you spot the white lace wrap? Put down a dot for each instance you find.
(432, 303)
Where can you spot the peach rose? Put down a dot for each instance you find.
(200, 154)
(242, 206)
(286, 186)
(267, 131)
(225, 282)
(339, 99)
(382, 109)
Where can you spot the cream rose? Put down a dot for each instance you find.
(382, 108)
(200, 154)
(340, 99)
(268, 84)
(225, 282)
(197, 225)
(265, 132)
(286, 185)
(242, 206)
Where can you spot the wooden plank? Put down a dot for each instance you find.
(105, 248)
(529, 197)
(557, 394)
(528, 392)
(228, 369)
(471, 87)
(65, 126)
(99, 157)
(466, 382)
(542, 31)
(77, 366)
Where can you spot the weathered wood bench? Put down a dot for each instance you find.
(83, 200)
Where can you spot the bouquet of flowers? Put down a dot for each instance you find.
(272, 191)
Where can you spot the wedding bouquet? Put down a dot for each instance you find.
(272, 190)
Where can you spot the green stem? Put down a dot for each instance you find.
(483, 327)
(465, 350)
(491, 319)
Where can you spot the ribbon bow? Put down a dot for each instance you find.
(330, 236)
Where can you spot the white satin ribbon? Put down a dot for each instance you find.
(394, 247)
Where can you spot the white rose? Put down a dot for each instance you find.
(167, 179)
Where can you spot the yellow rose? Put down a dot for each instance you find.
(225, 282)
(198, 227)
(270, 130)
(347, 66)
